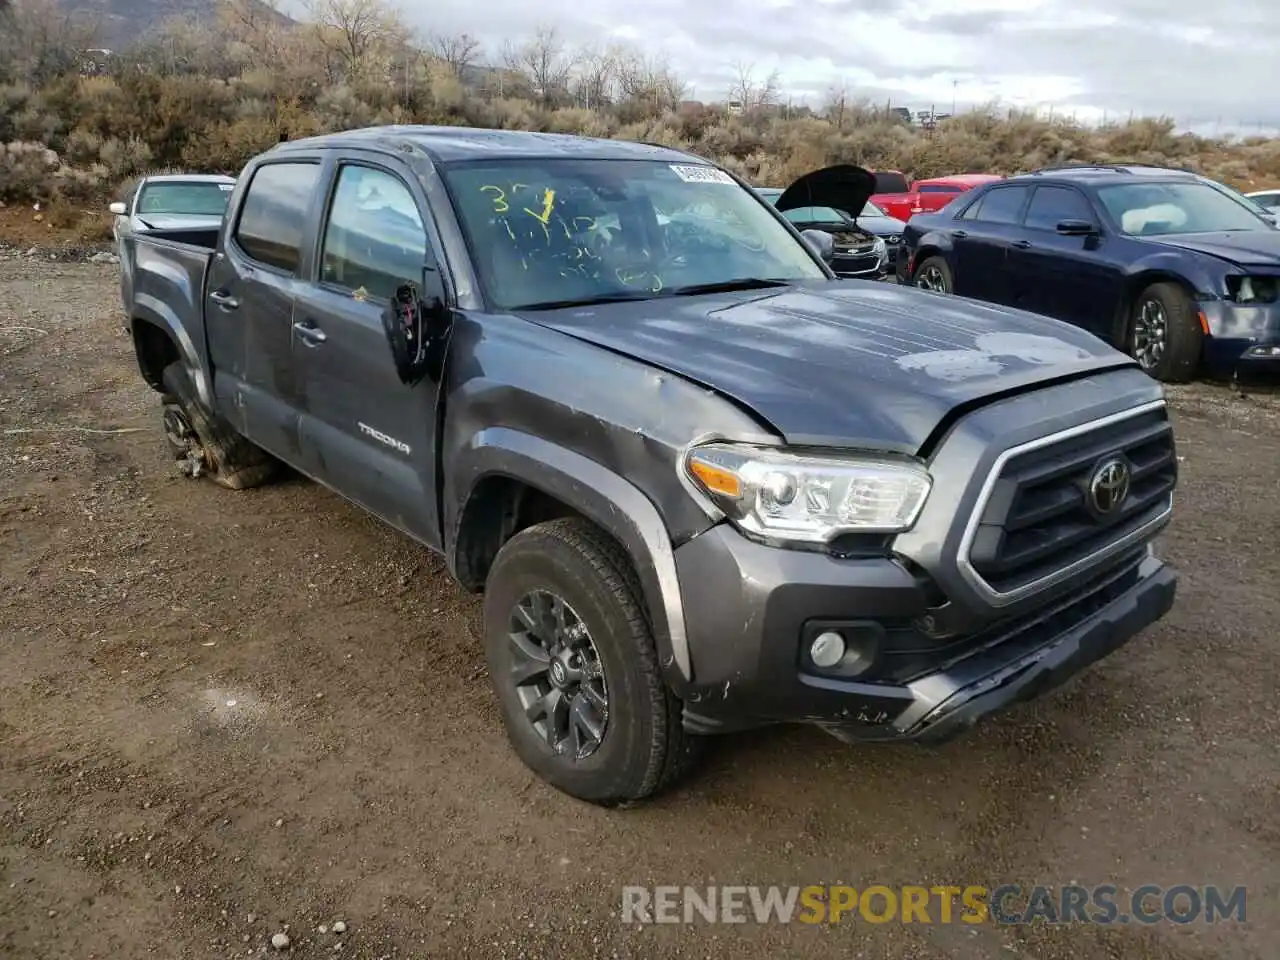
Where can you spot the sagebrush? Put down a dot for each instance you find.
(208, 96)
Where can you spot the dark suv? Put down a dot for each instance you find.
(1170, 266)
(702, 484)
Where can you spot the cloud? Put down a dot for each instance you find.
(1200, 63)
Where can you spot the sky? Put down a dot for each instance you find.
(1212, 66)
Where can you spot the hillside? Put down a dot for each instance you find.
(120, 23)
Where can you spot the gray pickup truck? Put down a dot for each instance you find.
(702, 484)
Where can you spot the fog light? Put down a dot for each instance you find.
(827, 649)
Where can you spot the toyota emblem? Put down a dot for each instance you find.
(1109, 486)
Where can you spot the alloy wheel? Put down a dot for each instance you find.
(931, 278)
(558, 676)
(1150, 333)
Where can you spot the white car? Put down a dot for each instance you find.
(1270, 199)
(172, 201)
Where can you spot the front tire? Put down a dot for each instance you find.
(572, 660)
(935, 275)
(1164, 333)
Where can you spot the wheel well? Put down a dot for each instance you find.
(1133, 287)
(499, 508)
(155, 350)
(923, 254)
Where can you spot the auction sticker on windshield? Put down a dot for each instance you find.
(690, 174)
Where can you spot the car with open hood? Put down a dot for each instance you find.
(835, 200)
(1179, 270)
(702, 484)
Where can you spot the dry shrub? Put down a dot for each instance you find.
(73, 137)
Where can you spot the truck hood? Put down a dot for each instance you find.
(1249, 248)
(843, 187)
(842, 363)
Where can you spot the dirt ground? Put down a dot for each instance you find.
(227, 714)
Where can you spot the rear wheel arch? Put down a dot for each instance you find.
(155, 349)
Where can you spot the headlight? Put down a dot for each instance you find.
(1252, 289)
(879, 246)
(808, 498)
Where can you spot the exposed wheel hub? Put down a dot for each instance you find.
(557, 674)
(184, 441)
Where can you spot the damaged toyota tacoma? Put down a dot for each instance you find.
(702, 484)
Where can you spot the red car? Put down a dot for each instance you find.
(923, 196)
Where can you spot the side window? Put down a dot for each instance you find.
(274, 212)
(938, 188)
(974, 210)
(1051, 205)
(374, 240)
(1002, 205)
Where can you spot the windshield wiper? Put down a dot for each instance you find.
(725, 286)
(719, 286)
(587, 301)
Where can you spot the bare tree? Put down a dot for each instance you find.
(356, 30)
(753, 94)
(595, 75)
(648, 80)
(456, 51)
(546, 61)
(837, 106)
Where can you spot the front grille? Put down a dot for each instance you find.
(1039, 519)
(845, 263)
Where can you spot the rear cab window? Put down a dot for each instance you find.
(273, 216)
(888, 181)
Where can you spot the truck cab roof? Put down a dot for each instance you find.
(449, 144)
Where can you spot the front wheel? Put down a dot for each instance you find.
(1164, 334)
(935, 275)
(572, 660)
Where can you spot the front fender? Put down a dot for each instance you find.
(608, 499)
(1203, 275)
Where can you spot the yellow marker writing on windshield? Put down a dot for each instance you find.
(500, 204)
(548, 201)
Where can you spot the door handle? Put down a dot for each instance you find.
(225, 300)
(310, 333)
(1021, 244)
(960, 234)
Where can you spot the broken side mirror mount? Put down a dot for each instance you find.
(417, 321)
(823, 244)
(1077, 228)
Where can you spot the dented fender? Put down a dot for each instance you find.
(608, 499)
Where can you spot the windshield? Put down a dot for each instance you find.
(548, 231)
(1152, 209)
(201, 199)
(816, 215)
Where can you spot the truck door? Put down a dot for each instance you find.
(249, 304)
(366, 434)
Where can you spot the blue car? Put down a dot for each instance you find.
(1177, 270)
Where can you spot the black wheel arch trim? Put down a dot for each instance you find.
(606, 498)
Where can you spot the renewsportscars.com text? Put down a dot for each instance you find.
(971, 904)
